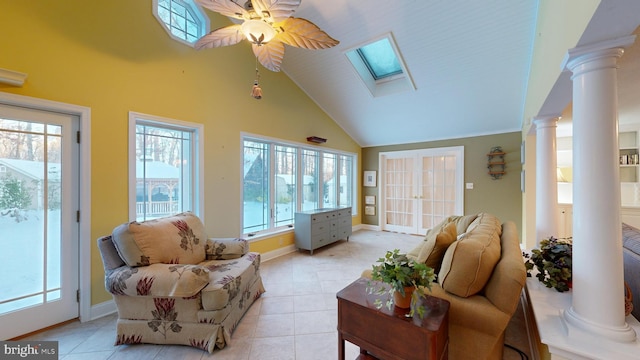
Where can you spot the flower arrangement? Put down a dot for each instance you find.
(399, 272)
(553, 262)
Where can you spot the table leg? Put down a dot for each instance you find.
(340, 347)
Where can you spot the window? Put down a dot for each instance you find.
(281, 178)
(182, 19)
(380, 67)
(164, 167)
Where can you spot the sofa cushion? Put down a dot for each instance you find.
(468, 263)
(177, 239)
(435, 246)
(228, 279)
(462, 222)
(631, 238)
(157, 280)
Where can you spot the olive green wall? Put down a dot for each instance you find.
(500, 197)
(114, 57)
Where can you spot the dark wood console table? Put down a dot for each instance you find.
(388, 334)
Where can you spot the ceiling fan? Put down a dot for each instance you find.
(268, 25)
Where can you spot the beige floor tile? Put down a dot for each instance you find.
(274, 325)
(317, 346)
(304, 303)
(314, 322)
(273, 348)
(94, 355)
(277, 305)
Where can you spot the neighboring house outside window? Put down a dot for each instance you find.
(166, 163)
(281, 178)
(184, 20)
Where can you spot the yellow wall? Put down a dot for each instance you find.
(114, 57)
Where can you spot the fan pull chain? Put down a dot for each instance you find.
(256, 91)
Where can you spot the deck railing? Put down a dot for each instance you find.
(154, 209)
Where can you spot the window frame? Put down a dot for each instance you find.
(198, 12)
(197, 150)
(299, 179)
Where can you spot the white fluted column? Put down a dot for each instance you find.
(597, 304)
(546, 178)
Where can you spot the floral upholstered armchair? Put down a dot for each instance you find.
(173, 285)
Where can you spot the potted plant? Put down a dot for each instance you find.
(406, 278)
(553, 262)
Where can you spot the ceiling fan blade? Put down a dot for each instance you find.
(270, 55)
(303, 33)
(226, 8)
(275, 10)
(228, 35)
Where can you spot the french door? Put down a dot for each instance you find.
(39, 232)
(420, 188)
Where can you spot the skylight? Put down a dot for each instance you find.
(380, 67)
(380, 59)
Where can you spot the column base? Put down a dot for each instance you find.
(575, 322)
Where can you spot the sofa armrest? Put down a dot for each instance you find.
(475, 312)
(226, 248)
(157, 280)
(110, 257)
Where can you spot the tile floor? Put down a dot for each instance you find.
(295, 319)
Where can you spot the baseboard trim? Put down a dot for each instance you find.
(278, 252)
(367, 227)
(103, 309)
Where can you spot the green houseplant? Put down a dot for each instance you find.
(406, 278)
(553, 262)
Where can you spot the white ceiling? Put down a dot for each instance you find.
(469, 61)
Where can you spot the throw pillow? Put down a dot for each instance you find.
(177, 239)
(462, 222)
(434, 248)
(468, 263)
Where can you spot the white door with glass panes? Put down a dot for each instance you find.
(39, 230)
(420, 188)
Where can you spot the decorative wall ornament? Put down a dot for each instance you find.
(496, 163)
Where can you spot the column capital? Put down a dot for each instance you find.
(546, 121)
(613, 48)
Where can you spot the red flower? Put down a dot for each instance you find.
(181, 225)
(144, 285)
(164, 306)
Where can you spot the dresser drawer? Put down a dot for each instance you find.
(320, 227)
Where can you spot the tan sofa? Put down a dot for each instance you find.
(482, 274)
(173, 285)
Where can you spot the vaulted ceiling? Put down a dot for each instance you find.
(469, 61)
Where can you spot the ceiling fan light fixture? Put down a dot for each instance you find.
(258, 32)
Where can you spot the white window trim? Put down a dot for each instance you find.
(198, 176)
(199, 13)
(263, 233)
